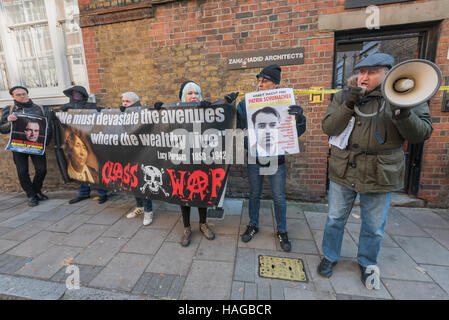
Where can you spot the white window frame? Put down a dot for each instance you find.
(48, 95)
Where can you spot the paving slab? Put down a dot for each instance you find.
(222, 248)
(245, 265)
(439, 275)
(298, 294)
(113, 275)
(58, 213)
(6, 214)
(30, 288)
(100, 252)
(5, 245)
(298, 229)
(395, 263)
(69, 223)
(108, 216)
(399, 225)
(250, 292)
(84, 235)
(21, 219)
(37, 244)
(424, 250)
(97, 294)
(49, 262)
(124, 228)
(48, 205)
(172, 258)
(26, 231)
(229, 225)
(237, 290)
(208, 280)
(414, 290)
(425, 218)
(440, 235)
(146, 241)
(10, 264)
(86, 273)
(11, 202)
(316, 220)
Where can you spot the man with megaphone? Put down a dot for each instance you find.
(367, 136)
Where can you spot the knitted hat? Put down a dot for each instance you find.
(271, 72)
(17, 87)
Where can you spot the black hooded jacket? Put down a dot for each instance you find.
(83, 104)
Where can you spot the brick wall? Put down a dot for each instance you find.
(192, 39)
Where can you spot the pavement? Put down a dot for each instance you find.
(43, 247)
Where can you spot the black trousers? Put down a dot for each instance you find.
(40, 168)
(186, 215)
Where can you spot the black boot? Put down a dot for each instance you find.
(325, 267)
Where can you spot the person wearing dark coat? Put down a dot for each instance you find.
(78, 100)
(23, 104)
(370, 164)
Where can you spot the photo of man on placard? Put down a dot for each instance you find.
(32, 130)
(28, 134)
(266, 122)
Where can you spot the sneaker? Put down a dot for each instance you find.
(325, 267)
(249, 233)
(370, 277)
(185, 239)
(283, 240)
(135, 212)
(207, 231)
(147, 217)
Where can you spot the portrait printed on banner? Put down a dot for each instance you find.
(271, 130)
(28, 134)
(82, 164)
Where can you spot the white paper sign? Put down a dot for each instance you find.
(271, 130)
(341, 141)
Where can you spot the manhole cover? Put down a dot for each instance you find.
(282, 268)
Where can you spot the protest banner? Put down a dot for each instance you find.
(271, 130)
(28, 134)
(176, 154)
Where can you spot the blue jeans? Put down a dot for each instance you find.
(374, 212)
(146, 203)
(84, 191)
(277, 185)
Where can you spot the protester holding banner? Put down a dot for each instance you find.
(24, 105)
(269, 78)
(145, 206)
(191, 92)
(78, 100)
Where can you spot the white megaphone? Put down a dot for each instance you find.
(411, 82)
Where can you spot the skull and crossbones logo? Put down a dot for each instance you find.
(153, 179)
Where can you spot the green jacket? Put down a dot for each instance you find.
(366, 166)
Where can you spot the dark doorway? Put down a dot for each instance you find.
(403, 43)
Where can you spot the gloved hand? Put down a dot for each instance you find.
(158, 105)
(231, 97)
(122, 108)
(295, 110)
(99, 109)
(205, 104)
(353, 97)
(399, 113)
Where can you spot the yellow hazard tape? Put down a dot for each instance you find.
(330, 91)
